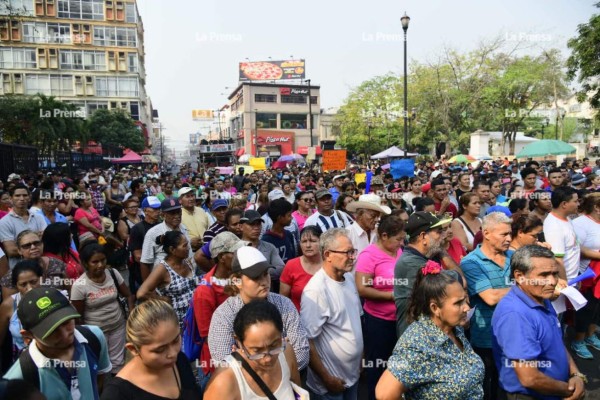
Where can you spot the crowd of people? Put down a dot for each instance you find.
(292, 283)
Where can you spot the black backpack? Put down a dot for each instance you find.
(30, 370)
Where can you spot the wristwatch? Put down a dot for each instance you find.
(579, 375)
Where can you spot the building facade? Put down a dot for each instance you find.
(86, 52)
(270, 120)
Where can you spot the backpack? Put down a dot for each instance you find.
(191, 341)
(29, 369)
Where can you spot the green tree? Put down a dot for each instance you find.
(584, 61)
(115, 127)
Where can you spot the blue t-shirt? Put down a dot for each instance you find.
(285, 245)
(52, 380)
(483, 274)
(525, 331)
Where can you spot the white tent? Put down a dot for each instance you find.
(392, 152)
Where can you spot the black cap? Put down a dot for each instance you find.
(422, 221)
(170, 205)
(44, 309)
(251, 216)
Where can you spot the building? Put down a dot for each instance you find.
(486, 144)
(271, 119)
(86, 52)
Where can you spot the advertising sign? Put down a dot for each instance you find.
(272, 70)
(202, 115)
(217, 148)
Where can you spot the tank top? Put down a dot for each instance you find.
(468, 232)
(15, 326)
(180, 290)
(283, 392)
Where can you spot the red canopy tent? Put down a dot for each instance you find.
(130, 158)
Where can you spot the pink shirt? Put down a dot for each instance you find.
(301, 219)
(374, 261)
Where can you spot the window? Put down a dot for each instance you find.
(117, 86)
(16, 7)
(293, 121)
(83, 60)
(134, 110)
(81, 9)
(130, 13)
(114, 36)
(132, 62)
(313, 99)
(42, 32)
(293, 99)
(17, 58)
(50, 85)
(265, 98)
(91, 107)
(266, 121)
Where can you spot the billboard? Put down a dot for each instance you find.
(272, 70)
(202, 115)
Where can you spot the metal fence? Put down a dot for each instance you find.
(26, 160)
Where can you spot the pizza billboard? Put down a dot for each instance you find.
(272, 70)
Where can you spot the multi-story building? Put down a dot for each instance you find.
(86, 52)
(271, 119)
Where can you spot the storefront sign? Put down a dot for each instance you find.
(217, 148)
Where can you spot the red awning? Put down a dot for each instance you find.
(240, 152)
(303, 150)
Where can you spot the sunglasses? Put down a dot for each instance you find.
(29, 245)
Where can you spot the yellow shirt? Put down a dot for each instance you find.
(196, 222)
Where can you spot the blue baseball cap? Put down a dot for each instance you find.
(218, 204)
(502, 209)
(151, 202)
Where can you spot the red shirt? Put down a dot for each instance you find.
(450, 209)
(295, 276)
(456, 250)
(207, 297)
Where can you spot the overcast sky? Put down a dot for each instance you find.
(193, 47)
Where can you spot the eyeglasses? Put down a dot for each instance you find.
(259, 356)
(348, 253)
(29, 245)
(309, 200)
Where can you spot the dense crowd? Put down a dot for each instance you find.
(292, 282)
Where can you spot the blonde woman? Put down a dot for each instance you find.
(158, 369)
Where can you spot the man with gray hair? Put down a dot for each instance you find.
(330, 312)
(487, 269)
(527, 338)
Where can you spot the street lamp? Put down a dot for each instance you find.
(310, 115)
(405, 20)
(545, 123)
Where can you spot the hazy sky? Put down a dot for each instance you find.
(193, 47)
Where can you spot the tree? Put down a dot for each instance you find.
(115, 127)
(584, 60)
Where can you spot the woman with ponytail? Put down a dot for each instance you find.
(433, 359)
(172, 279)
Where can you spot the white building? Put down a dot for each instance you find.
(488, 144)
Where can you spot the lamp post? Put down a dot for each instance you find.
(310, 125)
(545, 124)
(405, 20)
(256, 132)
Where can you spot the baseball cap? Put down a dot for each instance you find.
(218, 204)
(587, 170)
(578, 179)
(151, 202)
(339, 176)
(435, 174)
(14, 176)
(275, 194)
(498, 208)
(43, 309)
(321, 193)
(426, 187)
(224, 242)
(377, 180)
(251, 216)
(170, 205)
(249, 261)
(421, 221)
(185, 190)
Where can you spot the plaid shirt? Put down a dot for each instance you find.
(97, 198)
(220, 333)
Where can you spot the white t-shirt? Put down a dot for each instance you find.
(330, 312)
(338, 219)
(561, 235)
(588, 235)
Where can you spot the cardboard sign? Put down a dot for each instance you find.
(258, 163)
(403, 167)
(247, 169)
(334, 160)
(360, 178)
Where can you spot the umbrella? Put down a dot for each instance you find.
(546, 147)
(288, 158)
(244, 158)
(462, 158)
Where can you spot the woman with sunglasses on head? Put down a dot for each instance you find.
(303, 207)
(158, 370)
(261, 348)
(31, 247)
(131, 207)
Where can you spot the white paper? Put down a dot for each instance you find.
(470, 313)
(574, 296)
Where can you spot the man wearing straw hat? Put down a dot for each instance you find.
(368, 210)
